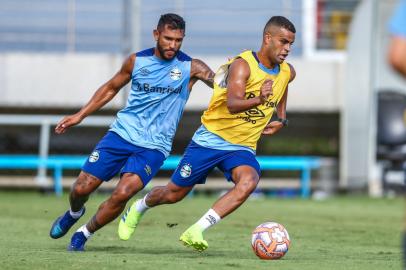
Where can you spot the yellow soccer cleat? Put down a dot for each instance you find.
(129, 222)
(193, 237)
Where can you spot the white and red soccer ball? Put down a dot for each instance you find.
(270, 241)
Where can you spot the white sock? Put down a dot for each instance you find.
(85, 231)
(209, 219)
(141, 205)
(77, 214)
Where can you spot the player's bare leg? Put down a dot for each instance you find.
(127, 187)
(246, 179)
(171, 193)
(81, 189)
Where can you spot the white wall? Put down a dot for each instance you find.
(317, 86)
(54, 80)
(69, 80)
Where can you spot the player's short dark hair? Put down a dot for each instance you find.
(280, 21)
(173, 21)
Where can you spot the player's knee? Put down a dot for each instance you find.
(79, 191)
(84, 185)
(247, 185)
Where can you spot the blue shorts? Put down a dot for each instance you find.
(113, 154)
(198, 161)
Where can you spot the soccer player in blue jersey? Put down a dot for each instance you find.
(140, 138)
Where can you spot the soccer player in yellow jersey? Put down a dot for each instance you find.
(247, 90)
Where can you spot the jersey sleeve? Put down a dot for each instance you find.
(397, 23)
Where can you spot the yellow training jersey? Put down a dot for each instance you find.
(244, 128)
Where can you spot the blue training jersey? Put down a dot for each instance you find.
(205, 138)
(159, 91)
(397, 23)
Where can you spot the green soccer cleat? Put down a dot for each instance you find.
(129, 222)
(193, 237)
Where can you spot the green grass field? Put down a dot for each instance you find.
(340, 233)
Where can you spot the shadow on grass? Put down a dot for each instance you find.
(153, 250)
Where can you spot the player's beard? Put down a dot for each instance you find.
(162, 52)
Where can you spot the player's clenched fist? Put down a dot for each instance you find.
(265, 91)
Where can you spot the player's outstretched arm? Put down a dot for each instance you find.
(238, 75)
(103, 95)
(200, 71)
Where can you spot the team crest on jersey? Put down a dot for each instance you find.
(94, 156)
(175, 74)
(186, 170)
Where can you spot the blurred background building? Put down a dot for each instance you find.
(55, 53)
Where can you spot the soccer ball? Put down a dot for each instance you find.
(270, 241)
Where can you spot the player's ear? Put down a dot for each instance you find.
(267, 38)
(156, 34)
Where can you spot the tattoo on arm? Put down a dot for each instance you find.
(201, 71)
